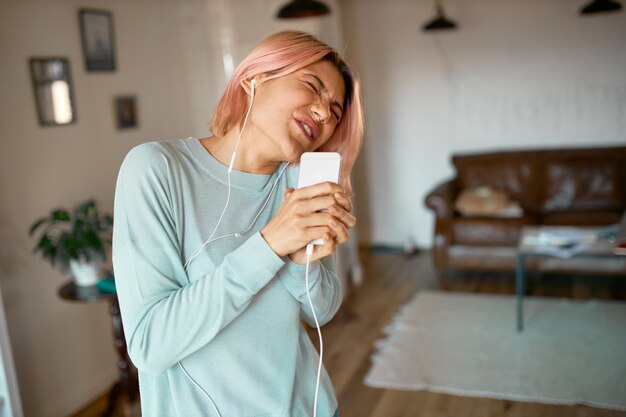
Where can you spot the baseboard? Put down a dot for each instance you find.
(80, 397)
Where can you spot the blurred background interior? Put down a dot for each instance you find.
(509, 76)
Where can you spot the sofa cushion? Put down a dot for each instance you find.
(583, 184)
(489, 231)
(486, 201)
(511, 172)
(581, 218)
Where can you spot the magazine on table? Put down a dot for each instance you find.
(562, 242)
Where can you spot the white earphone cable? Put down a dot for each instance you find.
(309, 253)
(230, 168)
(199, 387)
(237, 234)
(197, 251)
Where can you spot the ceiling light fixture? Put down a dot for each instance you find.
(440, 22)
(302, 8)
(601, 6)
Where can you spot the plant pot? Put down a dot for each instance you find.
(85, 274)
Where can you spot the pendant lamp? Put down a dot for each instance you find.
(600, 6)
(440, 22)
(302, 8)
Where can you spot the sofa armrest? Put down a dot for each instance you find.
(441, 198)
(441, 201)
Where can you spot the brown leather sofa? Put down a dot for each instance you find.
(553, 187)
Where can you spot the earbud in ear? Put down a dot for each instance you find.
(252, 87)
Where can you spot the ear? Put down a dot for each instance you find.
(247, 84)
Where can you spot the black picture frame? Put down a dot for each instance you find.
(54, 94)
(96, 32)
(126, 112)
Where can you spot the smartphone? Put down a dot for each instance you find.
(316, 167)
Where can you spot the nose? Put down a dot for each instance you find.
(321, 111)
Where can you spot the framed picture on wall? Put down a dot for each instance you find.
(96, 30)
(126, 112)
(52, 86)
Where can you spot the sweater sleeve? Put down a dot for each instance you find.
(324, 286)
(165, 317)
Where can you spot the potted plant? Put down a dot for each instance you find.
(73, 241)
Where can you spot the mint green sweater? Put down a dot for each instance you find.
(233, 319)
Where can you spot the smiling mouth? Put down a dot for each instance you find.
(308, 131)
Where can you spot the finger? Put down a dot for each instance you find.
(329, 246)
(323, 188)
(339, 213)
(288, 192)
(315, 204)
(321, 251)
(314, 220)
(344, 201)
(341, 232)
(320, 232)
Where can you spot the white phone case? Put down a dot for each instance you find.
(316, 167)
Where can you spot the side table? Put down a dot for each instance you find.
(127, 388)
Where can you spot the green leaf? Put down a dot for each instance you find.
(36, 225)
(84, 208)
(47, 247)
(60, 215)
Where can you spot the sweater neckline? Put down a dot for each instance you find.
(219, 171)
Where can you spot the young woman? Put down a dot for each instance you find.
(209, 244)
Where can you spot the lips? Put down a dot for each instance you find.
(308, 127)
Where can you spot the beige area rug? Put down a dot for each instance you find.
(570, 352)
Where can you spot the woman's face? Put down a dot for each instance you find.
(298, 112)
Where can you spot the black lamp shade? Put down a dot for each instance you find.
(440, 22)
(600, 6)
(302, 8)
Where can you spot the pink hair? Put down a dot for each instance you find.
(283, 53)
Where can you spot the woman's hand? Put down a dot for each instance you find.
(298, 222)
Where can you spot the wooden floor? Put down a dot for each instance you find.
(390, 281)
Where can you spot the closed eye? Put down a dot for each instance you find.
(315, 89)
(312, 87)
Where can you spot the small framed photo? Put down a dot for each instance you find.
(52, 86)
(126, 112)
(96, 29)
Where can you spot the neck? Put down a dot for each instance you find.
(249, 158)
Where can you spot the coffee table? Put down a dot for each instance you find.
(556, 242)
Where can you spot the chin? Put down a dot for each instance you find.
(292, 153)
(294, 157)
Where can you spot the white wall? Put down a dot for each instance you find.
(514, 75)
(63, 351)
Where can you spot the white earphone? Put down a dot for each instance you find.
(230, 168)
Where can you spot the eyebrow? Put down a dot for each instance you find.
(323, 87)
